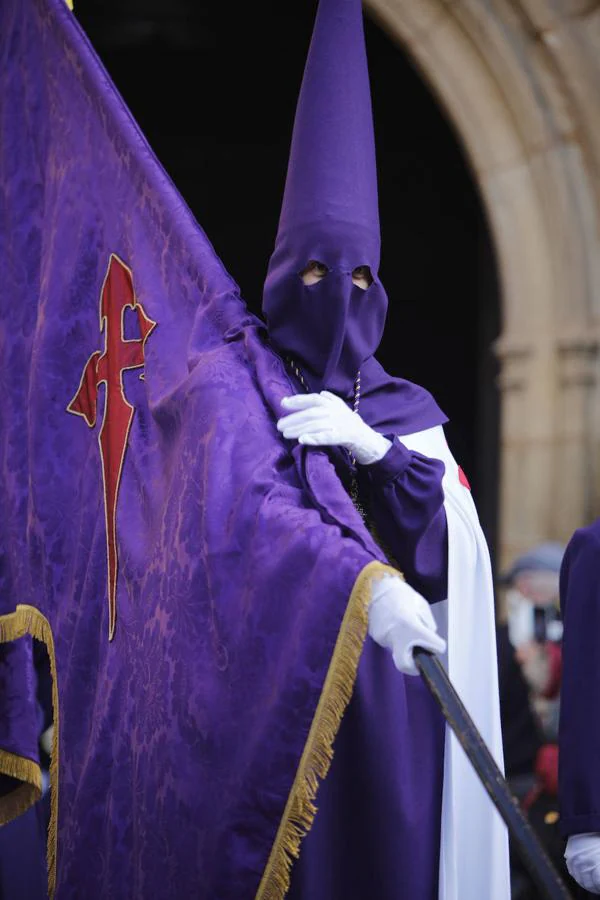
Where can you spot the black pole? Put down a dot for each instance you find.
(526, 841)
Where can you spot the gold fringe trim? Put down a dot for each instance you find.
(29, 620)
(316, 758)
(19, 767)
(18, 802)
(24, 796)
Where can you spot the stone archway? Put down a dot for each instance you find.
(519, 80)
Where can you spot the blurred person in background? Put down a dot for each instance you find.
(530, 660)
(535, 628)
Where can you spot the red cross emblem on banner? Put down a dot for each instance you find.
(107, 368)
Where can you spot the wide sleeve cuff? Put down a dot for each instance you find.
(392, 465)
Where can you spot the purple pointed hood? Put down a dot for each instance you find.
(331, 329)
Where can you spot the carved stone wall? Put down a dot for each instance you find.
(520, 80)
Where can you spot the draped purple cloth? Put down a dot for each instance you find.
(234, 556)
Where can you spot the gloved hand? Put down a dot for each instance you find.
(400, 619)
(323, 419)
(583, 860)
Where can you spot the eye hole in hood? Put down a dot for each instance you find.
(362, 278)
(315, 271)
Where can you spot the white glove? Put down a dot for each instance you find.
(323, 419)
(400, 620)
(583, 860)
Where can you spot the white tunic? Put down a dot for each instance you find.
(474, 842)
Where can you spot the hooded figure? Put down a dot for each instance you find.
(400, 813)
(330, 323)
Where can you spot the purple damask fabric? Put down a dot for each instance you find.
(138, 399)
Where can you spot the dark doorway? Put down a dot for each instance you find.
(214, 85)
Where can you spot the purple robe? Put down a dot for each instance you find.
(579, 730)
(377, 830)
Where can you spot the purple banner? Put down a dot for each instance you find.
(193, 572)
